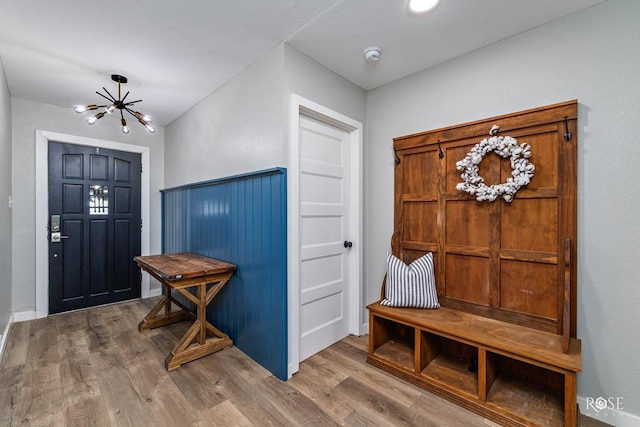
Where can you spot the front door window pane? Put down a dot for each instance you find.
(98, 200)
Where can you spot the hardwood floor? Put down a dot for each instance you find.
(93, 367)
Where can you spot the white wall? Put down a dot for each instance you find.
(5, 212)
(238, 128)
(29, 116)
(594, 57)
(309, 79)
(243, 126)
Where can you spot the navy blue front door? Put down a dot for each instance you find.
(94, 226)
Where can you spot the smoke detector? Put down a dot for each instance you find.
(372, 54)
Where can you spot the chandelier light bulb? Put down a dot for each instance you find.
(82, 108)
(125, 128)
(142, 118)
(111, 108)
(91, 120)
(150, 128)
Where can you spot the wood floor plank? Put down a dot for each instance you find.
(11, 384)
(75, 392)
(87, 412)
(242, 392)
(429, 409)
(98, 334)
(375, 400)
(295, 406)
(224, 414)
(38, 402)
(198, 386)
(47, 420)
(402, 392)
(361, 343)
(317, 380)
(160, 396)
(363, 417)
(43, 344)
(130, 344)
(121, 397)
(73, 321)
(18, 342)
(46, 374)
(76, 359)
(319, 373)
(242, 365)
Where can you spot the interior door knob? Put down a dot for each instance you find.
(347, 244)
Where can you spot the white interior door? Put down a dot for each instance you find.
(324, 228)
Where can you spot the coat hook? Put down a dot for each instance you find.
(567, 135)
(440, 152)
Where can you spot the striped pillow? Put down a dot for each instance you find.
(412, 285)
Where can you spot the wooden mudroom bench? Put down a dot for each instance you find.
(424, 346)
(504, 341)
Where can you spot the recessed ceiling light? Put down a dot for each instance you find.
(421, 6)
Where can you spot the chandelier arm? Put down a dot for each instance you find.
(133, 113)
(108, 93)
(124, 97)
(111, 100)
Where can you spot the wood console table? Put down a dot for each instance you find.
(181, 271)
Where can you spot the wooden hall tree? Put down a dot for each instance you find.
(505, 271)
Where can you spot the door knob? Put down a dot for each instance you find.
(347, 244)
(57, 236)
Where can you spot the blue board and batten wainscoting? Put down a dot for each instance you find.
(241, 220)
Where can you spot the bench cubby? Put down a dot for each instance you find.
(446, 362)
(530, 392)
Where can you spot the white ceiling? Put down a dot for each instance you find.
(176, 53)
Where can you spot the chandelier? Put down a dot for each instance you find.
(116, 104)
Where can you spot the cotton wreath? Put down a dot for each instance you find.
(504, 146)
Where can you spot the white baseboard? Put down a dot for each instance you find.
(22, 316)
(612, 411)
(156, 292)
(364, 328)
(3, 337)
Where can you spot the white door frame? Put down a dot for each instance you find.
(301, 106)
(42, 206)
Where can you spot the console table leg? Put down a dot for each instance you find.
(152, 320)
(570, 409)
(195, 343)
